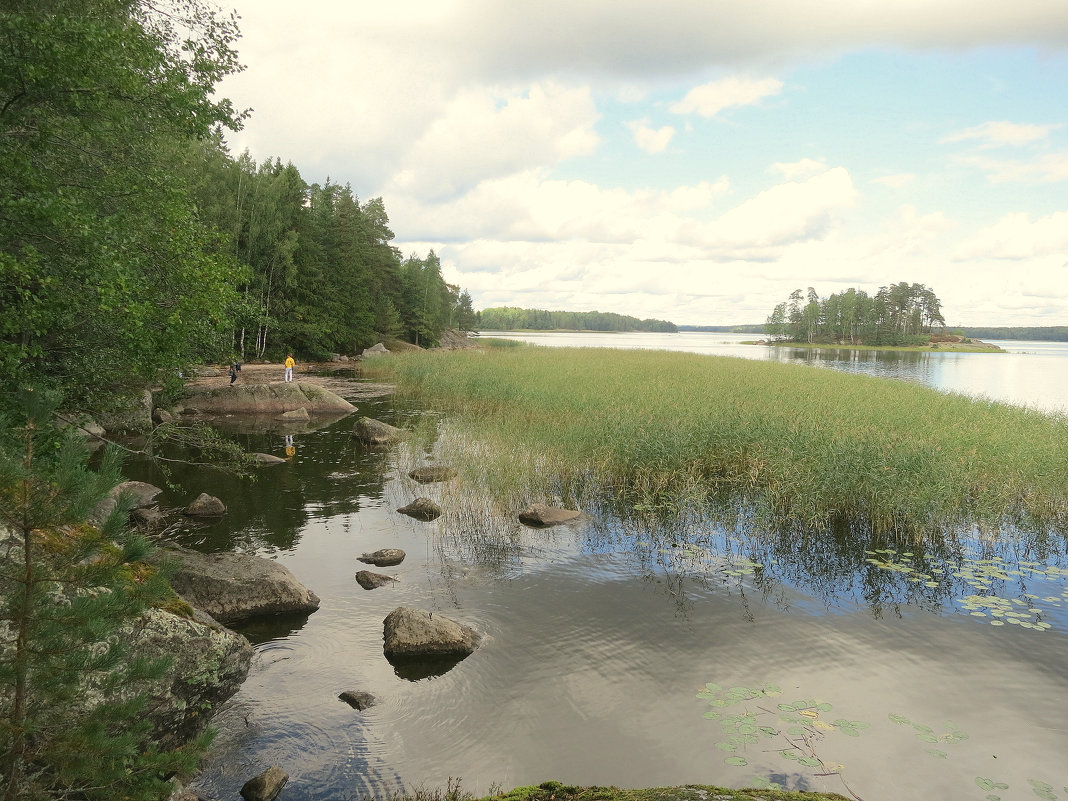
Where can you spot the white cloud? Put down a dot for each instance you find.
(651, 140)
(1047, 168)
(996, 134)
(798, 169)
(1017, 237)
(709, 99)
(480, 135)
(897, 181)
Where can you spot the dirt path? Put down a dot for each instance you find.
(340, 378)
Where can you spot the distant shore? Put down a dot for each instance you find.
(975, 346)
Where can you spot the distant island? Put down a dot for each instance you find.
(511, 318)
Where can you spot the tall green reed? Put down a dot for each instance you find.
(803, 447)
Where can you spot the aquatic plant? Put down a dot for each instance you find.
(798, 447)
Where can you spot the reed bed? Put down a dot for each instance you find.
(802, 446)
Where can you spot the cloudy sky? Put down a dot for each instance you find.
(690, 160)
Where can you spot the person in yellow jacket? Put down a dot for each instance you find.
(289, 368)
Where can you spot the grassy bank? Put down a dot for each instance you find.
(801, 446)
(554, 791)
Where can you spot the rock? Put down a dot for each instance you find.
(386, 557)
(84, 427)
(233, 586)
(372, 581)
(149, 517)
(133, 415)
(422, 509)
(161, 416)
(139, 493)
(418, 634)
(375, 350)
(538, 514)
(267, 399)
(267, 458)
(295, 414)
(431, 474)
(208, 665)
(266, 786)
(206, 506)
(358, 700)
(375, 432)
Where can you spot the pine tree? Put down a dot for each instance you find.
(71, 719)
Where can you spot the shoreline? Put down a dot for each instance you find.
(975, 346)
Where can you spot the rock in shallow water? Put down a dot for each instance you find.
(386, 557)
(422, 509)
(372, 581)
(416, 634)
(538, 514)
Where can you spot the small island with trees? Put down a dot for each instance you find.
(899, 316)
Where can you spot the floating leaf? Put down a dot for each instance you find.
(725, 746)
(984, 784)
(791, 755)
(736, 761)
(936, 753)
(809, 762)
(900, 719)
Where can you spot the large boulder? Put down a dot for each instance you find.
(378, 349)
(138, 493)
(540, 515)
(375, 432)
(132, 415)
(273, 399)
(419, 634)
(233, 586)
(208, 663)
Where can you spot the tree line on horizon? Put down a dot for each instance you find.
(513, 318)
(899, 314)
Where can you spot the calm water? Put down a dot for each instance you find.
(1030, 373)
(600, 636)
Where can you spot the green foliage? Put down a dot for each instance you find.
(511, 318)
(72, 721)
(896, 315)
(797, 447)
(106, 276)
(1049, 333)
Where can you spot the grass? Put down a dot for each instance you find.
(555, 791)
(798, 446)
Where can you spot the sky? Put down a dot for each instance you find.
(687, 160)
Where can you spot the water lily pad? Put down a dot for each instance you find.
(736, 761)
(936, 753)
(900, 719)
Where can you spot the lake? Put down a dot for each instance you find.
(925, 672)
(1027, 374)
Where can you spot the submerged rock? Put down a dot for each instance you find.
(296, 414)
(385, 557)
(422, 509)
(267, 458)
(372, 581)
(266, 786)
(431, 474)
(418, 634)
(375, 432)
(539, 514)
(233, 586)
(358, 699)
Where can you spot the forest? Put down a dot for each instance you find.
(134, 245)
(899, 314)
(511, 318)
